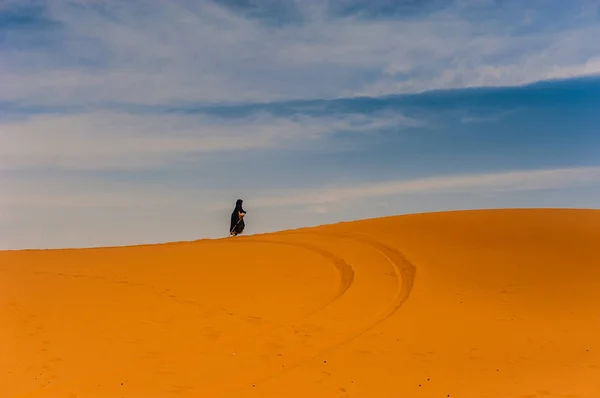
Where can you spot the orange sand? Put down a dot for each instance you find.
(471, 304)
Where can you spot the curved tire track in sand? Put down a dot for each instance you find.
(403, 270)
(349, 314)
(345, 270)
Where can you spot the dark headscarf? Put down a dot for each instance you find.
(238, 206)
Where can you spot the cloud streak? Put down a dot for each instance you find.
(182, 51)
(120, 140)
(522, 180)
(120, 195)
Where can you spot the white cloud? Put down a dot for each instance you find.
(116, 140)
(185, 51)
(527, 180)
(66, 193)
(559, 55)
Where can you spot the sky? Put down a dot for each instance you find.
(143, 121)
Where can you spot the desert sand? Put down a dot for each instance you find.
(466, 304)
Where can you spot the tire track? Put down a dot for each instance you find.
(404, 271)
(345, 270)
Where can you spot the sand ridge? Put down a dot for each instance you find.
(491, 303)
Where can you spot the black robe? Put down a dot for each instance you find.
(237, 224)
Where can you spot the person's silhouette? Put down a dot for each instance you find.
(237, 224)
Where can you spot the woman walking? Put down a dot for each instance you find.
(237, 225)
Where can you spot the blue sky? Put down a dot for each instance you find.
(143, 121)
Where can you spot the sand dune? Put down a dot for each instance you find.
(471, 304)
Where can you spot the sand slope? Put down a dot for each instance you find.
(473, 304)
